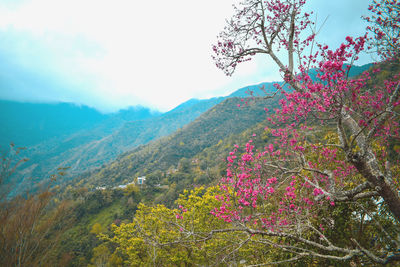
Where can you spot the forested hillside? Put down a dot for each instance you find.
(171, 168)
(218, 123)
(299, 172)
(325, 178)
(95, 209)
(193, 156)
(94, 146)
(80, 138)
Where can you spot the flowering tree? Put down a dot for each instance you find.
(385, 27)
(333, 139)
(189, 235)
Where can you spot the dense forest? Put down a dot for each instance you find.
(301, 172)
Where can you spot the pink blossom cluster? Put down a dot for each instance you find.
(294, 176)
(385, 27)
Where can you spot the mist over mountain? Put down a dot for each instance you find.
(27, 124)
(103, 141)
(82, 138)
(199, 133)
(227, 118)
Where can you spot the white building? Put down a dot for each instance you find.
(141, 180)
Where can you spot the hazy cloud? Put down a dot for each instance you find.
(111, 54)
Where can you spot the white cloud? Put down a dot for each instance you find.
(111, 54)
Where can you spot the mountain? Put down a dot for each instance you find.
(357, 70)
(216, 124)
(257, 90)
(83, 139)
(93, 147)
(29, 124)
(268, 88)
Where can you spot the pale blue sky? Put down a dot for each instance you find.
(112, 54)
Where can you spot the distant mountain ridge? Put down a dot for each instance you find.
(86, 139)
(268, 87)
(44, 121)
(93, 147)
(217, 123)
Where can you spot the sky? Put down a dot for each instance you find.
(110, 54)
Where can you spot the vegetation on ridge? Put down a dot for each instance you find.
(310, 177)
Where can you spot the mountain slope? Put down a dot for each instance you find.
(93, 147)
(268, 87)
(27, 124)
(217, 123)
(30, 124)
(83, 147)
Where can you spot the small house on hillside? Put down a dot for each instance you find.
(141, 180)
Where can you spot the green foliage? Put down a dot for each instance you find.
(161, 236)
(101, 141)
(96, 229)
(31, 227)
(101, 254)
(220, 122)
(194, 155)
